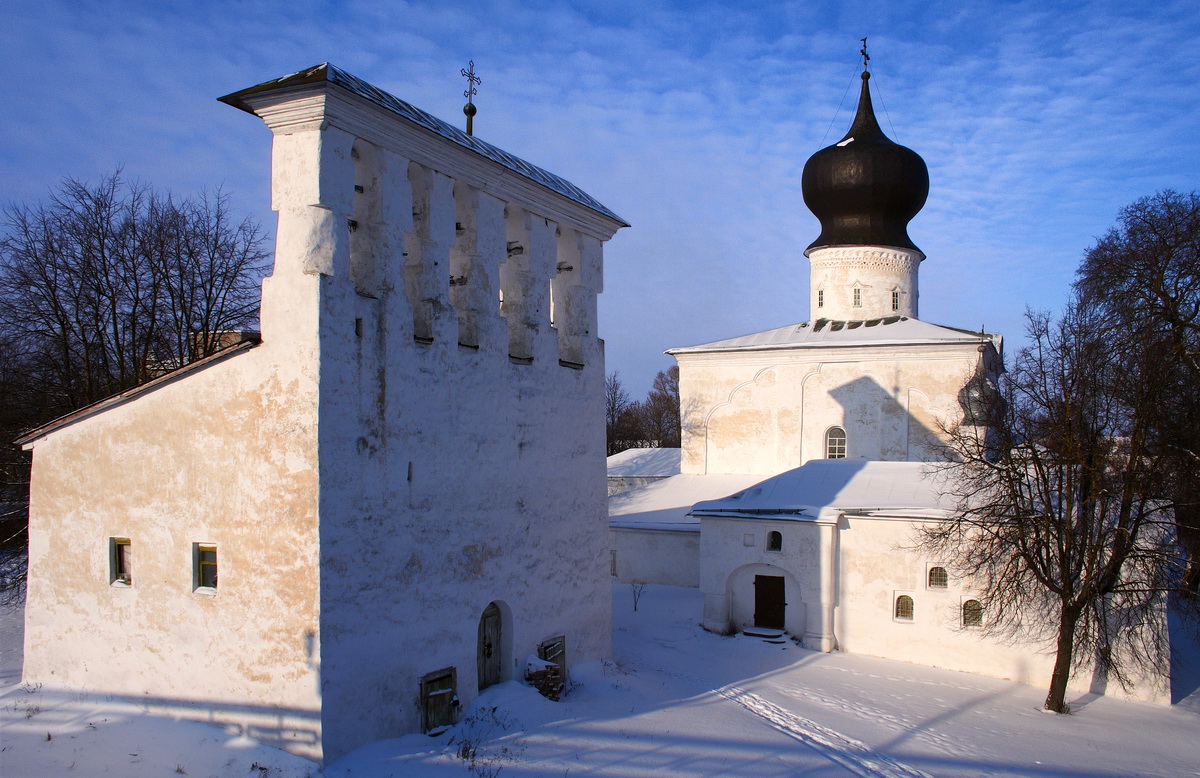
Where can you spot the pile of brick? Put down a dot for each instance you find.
(546, 677)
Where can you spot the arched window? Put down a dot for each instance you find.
(938, 578)
(972, 613)
(774, 541)
(904, 607)
(835, 443)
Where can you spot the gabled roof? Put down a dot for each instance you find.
(129, 394)
(824, 333)
(332, 74)
(822, 486)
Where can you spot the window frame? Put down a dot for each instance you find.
(198, 565)
(820, 298)
(962, 613)
(830, 440)
(774, 547)
(897, 602)
(944, 577)
(120, 568)
(858, 297)
(895, 299)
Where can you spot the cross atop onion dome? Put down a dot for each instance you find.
(865, 188)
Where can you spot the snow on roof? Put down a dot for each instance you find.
(824, 333)
(841, 485)
(335, 75)
(665, 504)
(645, 462)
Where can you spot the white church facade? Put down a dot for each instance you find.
(342, 532)
(805, 459)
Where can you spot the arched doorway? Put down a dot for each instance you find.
(490, 655)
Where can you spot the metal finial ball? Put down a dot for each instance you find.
(469, 109)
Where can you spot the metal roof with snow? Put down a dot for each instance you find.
(825, 333)
(332, 74)
(840, 485)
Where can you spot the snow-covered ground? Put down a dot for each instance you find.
(675, 701)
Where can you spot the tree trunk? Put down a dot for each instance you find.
(1063, 660)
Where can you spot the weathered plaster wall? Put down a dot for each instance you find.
(768, 411)
(876, 272)
(461, 420)
(733, 551)
(877, 565)
(657, 556)
(873, 563)
(227, 456)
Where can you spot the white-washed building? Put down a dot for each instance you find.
(804, 470)
(343, 532)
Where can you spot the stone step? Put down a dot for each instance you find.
(762, 632)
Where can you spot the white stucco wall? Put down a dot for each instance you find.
(225, 455)
(856, 580)
(657, 556)
(398, 453)
(768, 411)
(461, 438)
(876, 272)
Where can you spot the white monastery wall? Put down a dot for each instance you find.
(656, 556)
(462, 452)
(878, 564)
(768, 411)
(841, 590)
(223, 456)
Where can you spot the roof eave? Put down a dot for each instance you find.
(31, 438)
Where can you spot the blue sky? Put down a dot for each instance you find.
(1038, 121)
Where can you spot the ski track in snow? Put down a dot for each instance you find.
(834, 746)
(846, 752)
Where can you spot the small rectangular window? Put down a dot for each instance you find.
(554, 650)
(120, 561)
(895, 300)
(857, 297)
(820, 298)
(205, 564)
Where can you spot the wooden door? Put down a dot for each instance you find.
(489, 647)
(439, 700)
(769, 604)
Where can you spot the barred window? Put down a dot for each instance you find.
(904, 607)
(972, 613)
(938, 578)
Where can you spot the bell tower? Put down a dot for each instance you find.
(864, 189)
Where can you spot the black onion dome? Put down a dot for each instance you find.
(865, 188)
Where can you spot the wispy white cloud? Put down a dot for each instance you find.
(691, 120)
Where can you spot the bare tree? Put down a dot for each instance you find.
(1144, 277)
(1061, 523)
(106, 280)
(616, 402)
(101, 288)
(661, 409)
